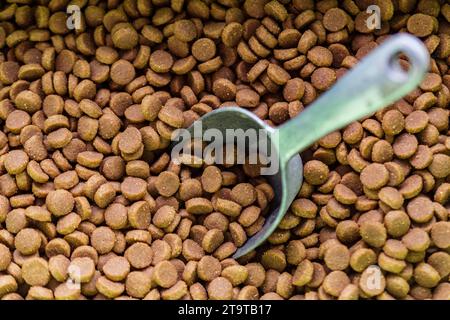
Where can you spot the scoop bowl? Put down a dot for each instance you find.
(376, 82)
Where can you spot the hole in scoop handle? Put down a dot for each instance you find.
(375, 82)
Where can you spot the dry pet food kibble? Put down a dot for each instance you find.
(90, 193)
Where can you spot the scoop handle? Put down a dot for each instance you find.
(377, 81)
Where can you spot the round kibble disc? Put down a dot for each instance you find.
(122, 72)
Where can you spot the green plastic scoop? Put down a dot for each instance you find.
(377, 81)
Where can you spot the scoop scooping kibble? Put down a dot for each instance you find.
(377, 81)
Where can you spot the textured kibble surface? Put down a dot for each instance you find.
(89, 193)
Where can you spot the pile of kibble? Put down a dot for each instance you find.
(93, 207)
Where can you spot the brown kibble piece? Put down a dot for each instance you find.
(337, 257)
(165, 274)
(211, 179)
(171, 116)
(9, 71)
(35, 272)
(140, 255)
(304, 208)
(416, 240)
(164, 216)
(315, 172)
(139, 214)
(116, 268)
(5, 257)
(382, 151)
(294, 89)
(420, 25)
(27, 241)
(212, 240)
(320, 56)
(426, 276)
(124, 36)
(440, 166)
(392, 197)
(138, 284)
(244, 194)
(393, 122)
(373, 233)
(199, 206)
(257, 69)
(405, 146)
(109, 288)
(362, 258)
(228, 207)
(422, 158)
(58, 266)
(420, 209)
(59, 202)
(150, 107)
(190, 188)
(440, 234)
(103, 239)
(16, 120)
(295, 252)
(116, 216)
(16, 161)
(274, 259)
(416, 121)
(323, 78)
(161, 61)
(208, 268)
(130, 140)
(277, 74)
(161, 251)
(133, 188)
(335, 19)
(167, 183)
(231, 34)
(224, 89)
(28, 101)
(122, 72)
(249, 216)
(176, 292)
(220, 289)
(192, 250)
(185, 30)
(247, 98)
(374, 176)
(344, 195)
(303, 274)
(236, 274)
(203, 49)
(335, 282)
(397, 223)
